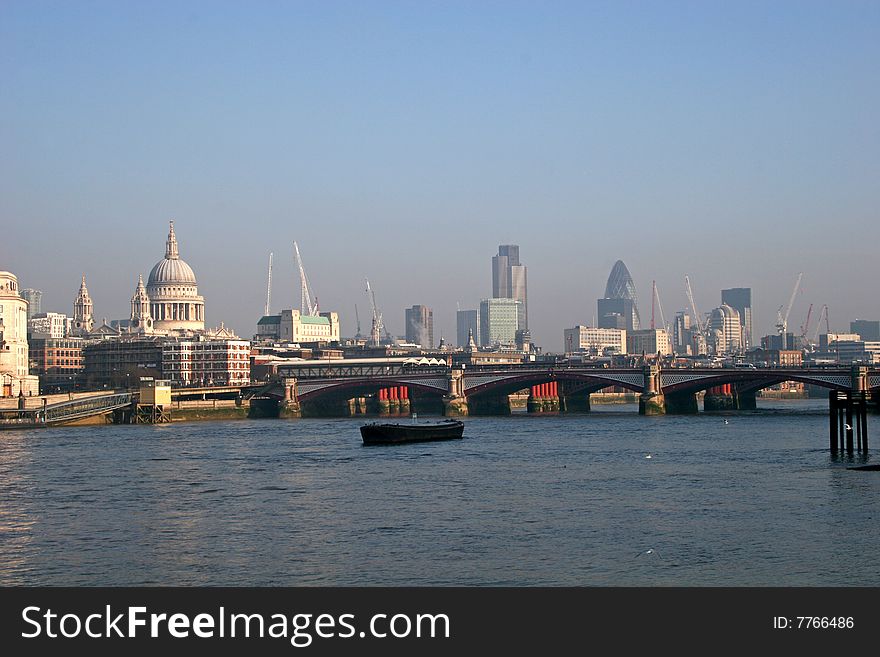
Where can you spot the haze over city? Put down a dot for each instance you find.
(404, 142)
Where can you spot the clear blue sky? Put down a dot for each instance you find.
(737, 142)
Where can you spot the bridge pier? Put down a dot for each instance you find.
(681, 403)
(719, 398)
(486, 404)
(575, 403)
(651, 401)
(455, 406)
(745, 401)
(544, 398)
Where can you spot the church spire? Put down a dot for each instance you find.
(171, 245)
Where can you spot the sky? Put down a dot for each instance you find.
(735, 142)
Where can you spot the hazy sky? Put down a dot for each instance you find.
(735, 142)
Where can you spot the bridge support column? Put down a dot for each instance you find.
(651, 401)
(486, 404)
(575, 403)
(289, 406)
(719, 398)
(682, 403)
(848, 421)
(746, 401)
(455, 406)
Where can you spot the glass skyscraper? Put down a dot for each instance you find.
(620, 286)
(509, 280)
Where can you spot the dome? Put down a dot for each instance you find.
(171, 269)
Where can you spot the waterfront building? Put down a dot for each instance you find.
(34, 299)
(83, 311)
(48, 325)
(867, 329)
(499, 321)
(175, 303)
(596, 341)
(762, 357)
(725, 330)
(420, 326)
(648, 342)
(467, 323)
(58, 362)
(509, 280)
(620, 286)
(740, 298)
(209, 358)
(15, 377)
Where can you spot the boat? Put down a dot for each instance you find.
(389, 433)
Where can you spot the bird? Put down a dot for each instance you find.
(648, 456)
(847, 427)
(649, 552)
(725, 421)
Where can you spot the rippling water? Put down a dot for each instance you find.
(520, 501)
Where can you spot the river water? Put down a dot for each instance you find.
(520, 501)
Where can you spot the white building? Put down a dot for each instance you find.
(14, 375)
(856, 351)
(206, 361)
(595, 340)
(648, 342)
(48, 325)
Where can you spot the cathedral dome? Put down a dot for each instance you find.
(171, 269)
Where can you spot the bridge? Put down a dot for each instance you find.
(65, 412)
(314, 388)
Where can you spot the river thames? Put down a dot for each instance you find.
(522, 501)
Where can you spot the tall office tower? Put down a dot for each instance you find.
(725, 330)
(34, 299)
(467, 322)
(509, 280)
(615, 313)
(740, 298)
(868, 330)
(620, 286)
(420, 326)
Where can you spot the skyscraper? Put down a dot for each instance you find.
(740, 299)
(34, 299)
(420, 326)
(509, 280)
(867, 329)
(620, 286)
(467, 321)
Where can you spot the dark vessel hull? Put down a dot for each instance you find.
(388, 434)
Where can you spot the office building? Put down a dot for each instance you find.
(48, 325)
(419, 321)
(34, 299)
(467, 322)
(725, 330)
(740, 298)
(614, 312)
(499, 322)
(648, 342)
(867, 329)
(595, 341)
(509, 280)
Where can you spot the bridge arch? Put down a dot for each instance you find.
(572, 382)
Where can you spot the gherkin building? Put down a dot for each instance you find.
(620, 286)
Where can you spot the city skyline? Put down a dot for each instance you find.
(446, 130)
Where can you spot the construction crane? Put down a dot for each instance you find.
(377, 328)
(306, 306)
(822, 312)
(782, 320)
(269, 290)
(805, 327)
(701, 326)
(358, 318)
(656, 295)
